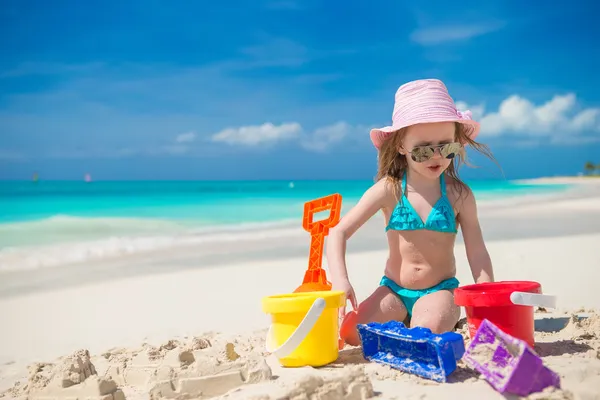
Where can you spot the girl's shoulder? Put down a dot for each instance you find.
(457, 191)
(389, 190)
(386, 186)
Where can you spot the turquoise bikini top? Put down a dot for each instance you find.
(441, 218)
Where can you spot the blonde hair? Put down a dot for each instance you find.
(392, 165)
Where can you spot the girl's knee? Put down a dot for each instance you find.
(437, 322)
(436, 311)
(349, 330)
(349, 326)
(436, 326)
(381, 306)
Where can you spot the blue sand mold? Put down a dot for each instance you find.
(414, 350)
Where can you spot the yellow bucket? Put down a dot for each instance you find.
(304, 327)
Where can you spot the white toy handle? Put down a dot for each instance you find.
(300, 333)
(533, 299)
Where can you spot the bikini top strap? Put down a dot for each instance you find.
(404, 184)
(443, 184)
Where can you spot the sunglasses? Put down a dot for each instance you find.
(423, 153)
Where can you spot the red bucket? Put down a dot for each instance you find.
(507, 304)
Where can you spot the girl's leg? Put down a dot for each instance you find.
(436, 311)
(381, 306)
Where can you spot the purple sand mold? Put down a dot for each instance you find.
(414, 350)
(519, 372)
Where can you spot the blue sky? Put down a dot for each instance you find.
(286, 89)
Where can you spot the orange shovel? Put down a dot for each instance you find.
(315, 277)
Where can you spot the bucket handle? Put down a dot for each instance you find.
(533, 299)
(299, 334)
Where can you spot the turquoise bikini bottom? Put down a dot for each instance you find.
(409, 297)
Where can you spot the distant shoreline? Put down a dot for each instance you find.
(549, 179)
(583, 179)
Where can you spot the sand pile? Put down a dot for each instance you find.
(583, 326)
(310, 384)
(234, 368)
(73, 376)
(577, 333)
(194, 368)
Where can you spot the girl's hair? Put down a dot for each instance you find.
(392, 165)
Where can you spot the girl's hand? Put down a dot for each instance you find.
(345, 286)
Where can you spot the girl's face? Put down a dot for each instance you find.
(429, 148)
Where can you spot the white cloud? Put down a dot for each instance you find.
(325, 136)
(586, 118)
(186, 137)
(556, 117)
(451, 33)
(258, 134)
(317, 140)
(574, 141)
(102, 100)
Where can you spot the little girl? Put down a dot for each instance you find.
(424, 202)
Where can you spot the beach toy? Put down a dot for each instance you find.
(507, 304)
(508, 364)
(304, 327)
(413, 350)
(315, 277)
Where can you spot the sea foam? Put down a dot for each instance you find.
(63, 240)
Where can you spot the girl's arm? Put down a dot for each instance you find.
(370, 202)
(477, 254)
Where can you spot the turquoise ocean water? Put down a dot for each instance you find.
(54, 213)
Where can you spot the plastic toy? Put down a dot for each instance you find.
(508, 304)
(509, 364)
(414, 350)
(304, 327)
(315, 277)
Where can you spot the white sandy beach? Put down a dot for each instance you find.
(180, 315)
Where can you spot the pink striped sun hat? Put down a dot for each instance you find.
(423, 101)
